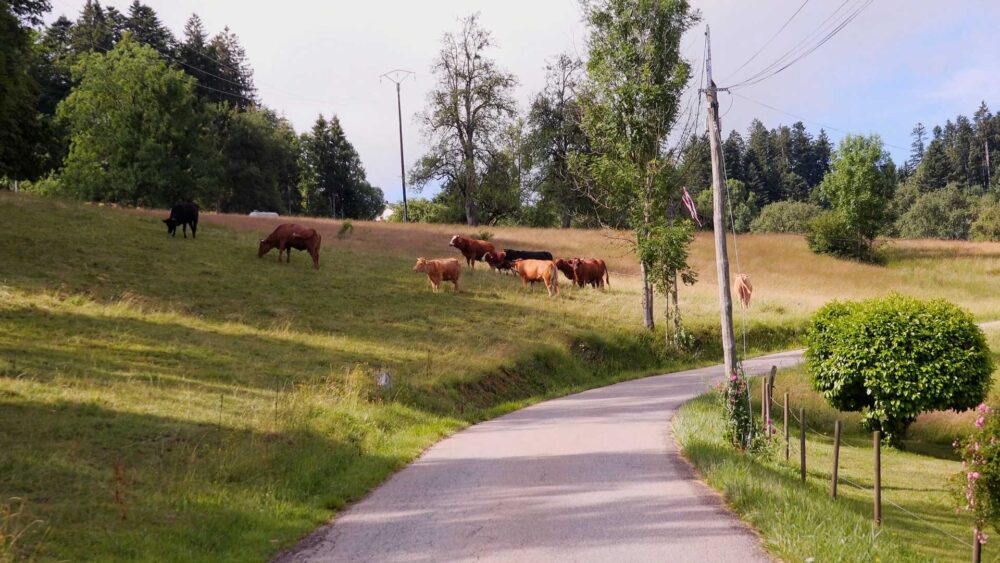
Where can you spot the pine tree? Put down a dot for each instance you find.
(919, 133)
(146, 28)
(198, 59)
(233, 83)
(93, 30)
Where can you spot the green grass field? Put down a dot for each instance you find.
(171, 399)
(800, 521)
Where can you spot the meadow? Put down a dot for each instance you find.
(169, 399)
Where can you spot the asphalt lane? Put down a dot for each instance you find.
(594, 476)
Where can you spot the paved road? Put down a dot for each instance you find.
(589, 477)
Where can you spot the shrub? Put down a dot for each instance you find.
(482, 235)
(743, 203)
(986, 227)
(942, 214)
(978, 484)
(830, 233)
(346, 229)
(894, 357)
(785, 217)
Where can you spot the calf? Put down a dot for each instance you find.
(183, 214)
(498, 261)
(288, 236)
(472, 249)
(443, 269)
(538, 270)
(566, 268)
(593, 271)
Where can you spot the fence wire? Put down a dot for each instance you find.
(841, 479)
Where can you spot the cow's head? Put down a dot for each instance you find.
(171, 225)
(454, 241)
(263, 248)
(421, 265)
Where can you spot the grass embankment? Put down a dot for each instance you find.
(800, 521)
(171, 399)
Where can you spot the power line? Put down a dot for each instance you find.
(807, 120)
(780, 65)
(768, 42)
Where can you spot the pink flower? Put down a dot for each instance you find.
(973, 475)
(984, 408)
(980, 422)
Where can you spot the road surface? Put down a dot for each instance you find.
(594, 476)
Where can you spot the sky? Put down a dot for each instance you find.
(898, 63)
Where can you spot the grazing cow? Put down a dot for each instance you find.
(472, 249)
(289, 236)
(498, 261)
(442, 269)
(538, 270)
(512, 254)
(183, 214)
(566, 268)
(744, 289)
(593, 271)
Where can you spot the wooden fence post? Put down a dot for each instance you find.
(763, 402)
(977, 548)
(836, 455)
(877, 445)
(802, 443)
(769, 425)
(785, 409)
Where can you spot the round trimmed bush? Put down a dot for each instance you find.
(785, 217)
(895, 357)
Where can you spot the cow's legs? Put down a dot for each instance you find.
(184, 226)
(194, 230)
(456, 285)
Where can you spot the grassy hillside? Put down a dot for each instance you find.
(181, 399)
(176, 399)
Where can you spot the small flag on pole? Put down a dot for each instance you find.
(689, 203)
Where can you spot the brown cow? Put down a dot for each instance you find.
(538, 270)
(472, 249)
(289, 236)
(593, 271)
(498, 261)
(443, 269)
(566, 268)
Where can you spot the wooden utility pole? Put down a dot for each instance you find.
(719, 214)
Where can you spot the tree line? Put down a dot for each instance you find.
(112, 107)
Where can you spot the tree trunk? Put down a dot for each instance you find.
(675, 308)
(470, 213)
(647, 298)
(668, 337)
(567, 219)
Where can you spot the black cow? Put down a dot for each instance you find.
(183, 214)
(511, 255)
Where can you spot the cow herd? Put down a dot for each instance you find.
(530, 265)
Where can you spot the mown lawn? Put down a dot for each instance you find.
(800, 521)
